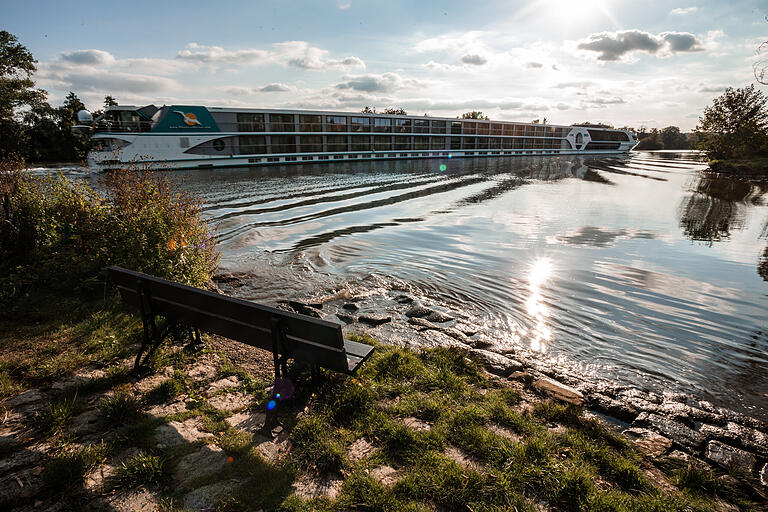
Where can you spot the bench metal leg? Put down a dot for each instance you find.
(281, 370)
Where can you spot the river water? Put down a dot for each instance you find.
(642, 270)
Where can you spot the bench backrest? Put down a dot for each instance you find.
(308, 339)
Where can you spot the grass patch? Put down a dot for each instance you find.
(120, 408)
(316, 447)
(65, 472)
(53, 419)
(557, 413)
(176, 386)
(143, 469)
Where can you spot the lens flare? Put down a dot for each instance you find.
(443, 167)
(271, 405)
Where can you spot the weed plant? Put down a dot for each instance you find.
(60, 234)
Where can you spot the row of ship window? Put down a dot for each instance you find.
(314, 123)
(257, 144)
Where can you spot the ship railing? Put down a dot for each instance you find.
(122, 126)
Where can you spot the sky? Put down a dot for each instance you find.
(627, 63)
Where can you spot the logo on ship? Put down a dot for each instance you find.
(190, 119)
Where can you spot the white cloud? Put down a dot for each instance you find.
(277, 87)
(237, 90)
(370, 83)
(91, 57)
(613, 46)
(682, 11)
(299, 54)
(712, 88)
(474, 59)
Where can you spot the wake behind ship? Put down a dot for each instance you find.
(191, 137)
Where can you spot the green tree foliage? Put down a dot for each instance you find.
(29, 126)
(475, 114)
(60, 234)
(17, 91)
(673, 138)
(735, 125)
(109, 101)
(651, 141)
(593, 125)
(395, 111)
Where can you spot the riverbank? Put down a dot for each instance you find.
(753, 169)
(443, 428)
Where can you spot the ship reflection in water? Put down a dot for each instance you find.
(643, 270)
(537, 309)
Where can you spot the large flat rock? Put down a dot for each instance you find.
(176, 433)
(208, 460)
(730, 457)
(558, 390)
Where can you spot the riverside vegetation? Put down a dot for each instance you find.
(415, 430)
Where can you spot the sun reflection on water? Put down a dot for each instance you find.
(540, 271)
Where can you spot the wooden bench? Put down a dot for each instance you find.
(306, 340)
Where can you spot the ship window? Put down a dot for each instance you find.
(468, 127)
(361, 143)
(402, 126)
(495, 143)
(456, 127)
(482, 143)
(359, 124)
(508, 143)
(247, 122)
(469, 143)
(310, 123)
(421, 143)
(403, 142)
(456, 142)
(508, 129)
(219, 145)
(382, 125)
(495, 129)
(421, 126)
(252, 144)
(336, 124)
(311, 144)
(438, 142)
(439, 126)
(281, 123)
(337, 142)
(539, 131)
(382, 142)
(283, 144)
(482, 128)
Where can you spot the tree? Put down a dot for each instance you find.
(395, 111)
(17, 91)
(651, 141)
(366, 110)
(593, 125)
(474, 115)
(109, 101)
(735, 125)
(673, 138)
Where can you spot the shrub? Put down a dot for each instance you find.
(60, 234)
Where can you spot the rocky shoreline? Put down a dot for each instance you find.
(670, 424)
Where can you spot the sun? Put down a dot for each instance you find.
(569, 12)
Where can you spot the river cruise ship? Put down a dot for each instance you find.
(193, 137)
